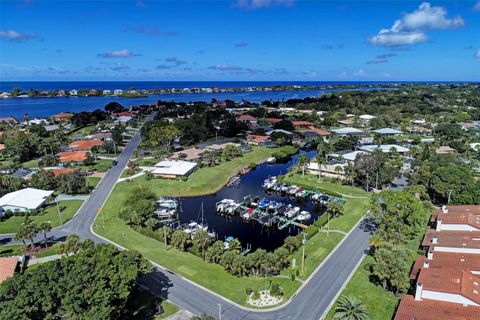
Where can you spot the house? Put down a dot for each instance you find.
(52, 127)
(257, 140)
(63, 116)
(25, 174)
(174, 168)
(93, 92)
(417, 130)
(248, 119)
(2, 147)
(106, 92)
(34, 122)
(315, 134)
(452, 241)
(411, 309)
(384, 148)
(101, 136)
(346, 122)
(84, 145)
(349, 156)
(72, 157)
(5, 95)
(444, 150)
(302, 123)
(348, 132)
(419, 122)
(9, 120)
(273, 120)
(442, 260)
(117, 92)
(24, 200)
(73, 92)
(285, 132)
(8, 265)
(366, 117)
(57, 172)
(388, 132)
(457, 218)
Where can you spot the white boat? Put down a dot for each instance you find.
(269, 182)
(285, 188)
(292, 211)
(300, 193)
(303, 216)
(222, 205)
(232, 208)
(271, 160)
(292, 190)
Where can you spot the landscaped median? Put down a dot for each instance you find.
(213, 276)
(68, 209)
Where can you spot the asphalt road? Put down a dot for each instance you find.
(310, 303)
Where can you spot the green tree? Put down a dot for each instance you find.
(71, 245)
(303, 161)
(334, 209)
(44, 180)
(202, 240)
(391, 267)
(180, 240)
(350, 308)
(163, 136)
(291, 243)
(45, 227)
(72, 183)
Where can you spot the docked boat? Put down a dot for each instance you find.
(301, 193)
(291, 211)
(304, 216)
(274, 205)
(264, 203)
(269, 183)
(224, 204)
(193, 227)
(293, 190)
(285, 188)
(324, 200)
(247, 214)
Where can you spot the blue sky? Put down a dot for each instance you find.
(239, 40)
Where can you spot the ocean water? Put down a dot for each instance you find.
(44, 107)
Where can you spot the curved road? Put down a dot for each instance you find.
(311, 302)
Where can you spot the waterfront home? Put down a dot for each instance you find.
(84, 145)
(73, 92)
(93, 92)
(106, 92)
(257, 140)
(25, 174)
(8, 265)
(5, 95)
(24, 200)
(117, 92)
(72, 157)
(9, 120)
(62, 116)
(302, 124)
(174, 168)
(314, 134)
(123, 114)
(59, 171)
(34, 121)
(61, 93)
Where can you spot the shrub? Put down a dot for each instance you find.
(275, 290)
(310, 231)
(321, 221)
(248, 291)
(256, 295)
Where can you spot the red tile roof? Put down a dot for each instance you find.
(411, 309)
(452, 239)
(447, 260)
(57, 172)
(462, 214)
(72, 156)
(7, 268)
(273, 120)
(123, 114)
(84, 145)
(302, 123)
(246, 117)
(257, 139)
(63, 116)
(317, 131)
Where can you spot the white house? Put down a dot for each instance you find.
(24, 200)
(174, 169)
(73, 92)
(348, 131)
(106, 92)
(387, 132)
(118, 92)
(384, 148)
(366, 117)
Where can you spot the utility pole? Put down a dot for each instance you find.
(304, 240)
(165, 236)
(449, 196)
(328, 222)
(219, 311)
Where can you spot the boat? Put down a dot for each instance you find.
(222, 205)
(264, 203)
(300, 193)
(232, 208)
(316, 196)
(304, 215)
(271, 160)
(269, 182)
(285, 188)
(324, 200)
(292, 190)
(292, 211)
(273, 205)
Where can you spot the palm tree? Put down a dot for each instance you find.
(303, 160)
(350, 173)
(180, 240)
(334, 209)
(202, 239)
(45, 227)
(31, 231)
(338, 170)
(235, 246)
(21, 236)
(320, 161)
(350, 308)
(290, 243)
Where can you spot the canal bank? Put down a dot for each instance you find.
(208, 275)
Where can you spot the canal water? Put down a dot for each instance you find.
(250, 233)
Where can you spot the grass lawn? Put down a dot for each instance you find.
(30, 164)
(168, 310)
(93, 181)
(203, 181)
(85, 131)
(100, 165)
(17, 249)
(12, 224)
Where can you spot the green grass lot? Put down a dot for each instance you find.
(212, 276)
(168, 310)
(380, 304)
(93, 181)
(7, 164)
(84, 131)
(12, 224)
(100, 165)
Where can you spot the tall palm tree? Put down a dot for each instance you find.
(202, 239)
(321, 161)
(45, 227)
(303, 160)
(235, 246)
(350, 308)
(21, 236)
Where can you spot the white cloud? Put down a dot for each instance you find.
(477, 6)
(477, 54)
(12, 35)
(123, 53)
(259, 4)
(411, 27)
(360, 73)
